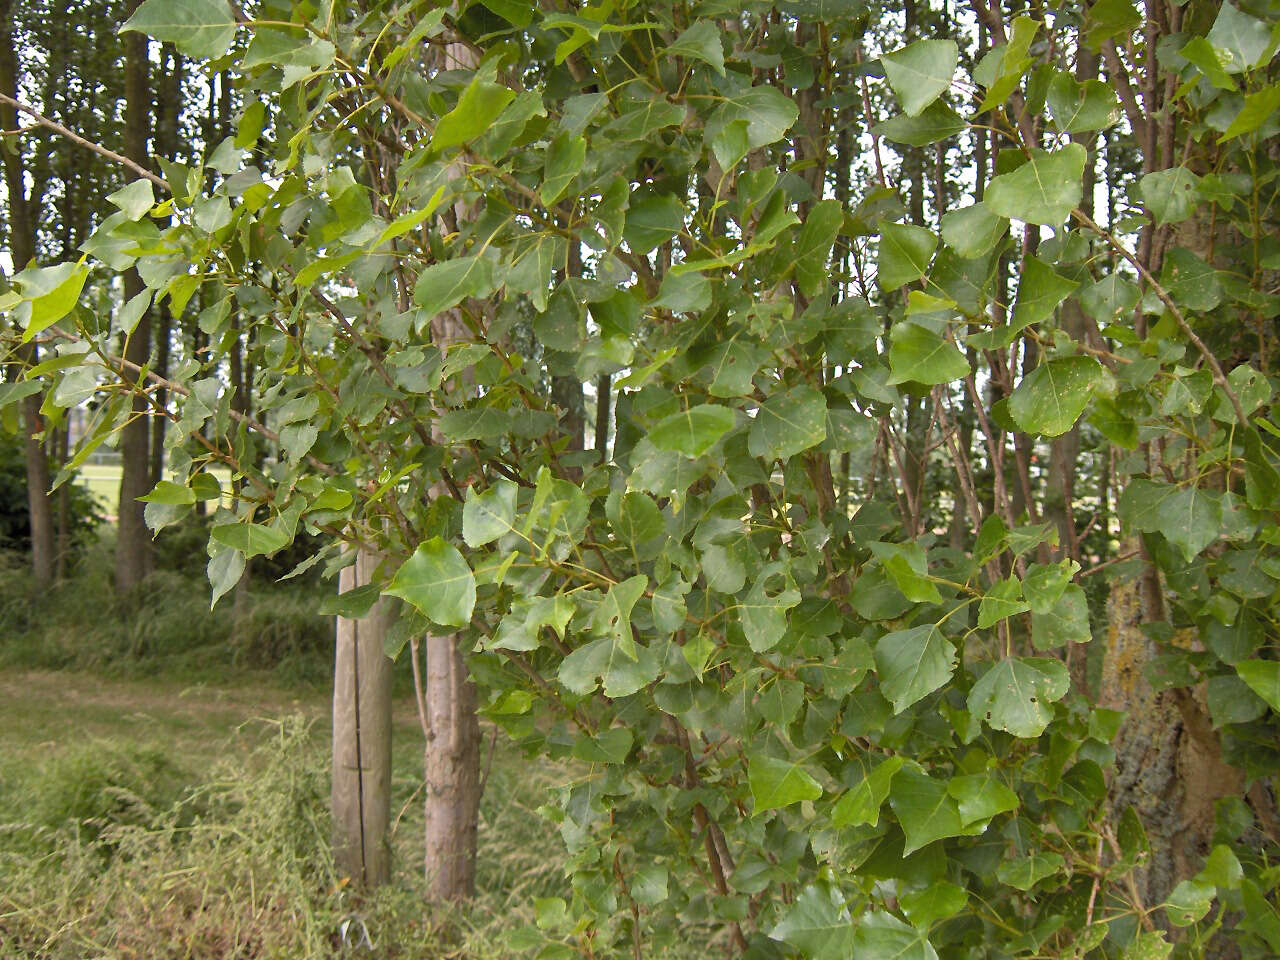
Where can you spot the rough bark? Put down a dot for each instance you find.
(1168, 763)
(133, 541)
(361, 796)
(22, 249)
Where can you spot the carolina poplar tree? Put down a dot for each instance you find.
(917, 596)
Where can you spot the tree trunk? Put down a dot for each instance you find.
(361, 797)
(1169, 766)
(451, 759)
(451, 763)
(133, 541)
(22, 248)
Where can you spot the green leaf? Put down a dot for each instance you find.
(882, 936)
(779, 783)
(817, 924)
(444, 285)
(1263, 678)
(437, 580)
(1045, 583)
(919, 73)
(489, 515)
(1040, 290)
(918, 354)
(668, 604)
(562, 162)
(249, 539)
(649, 885)
(520, 629)
(981, 796)
(1081, 107)
(1258, 109)
(1106, 18)
(168, 492)
(788, 423)
(974, 230)
(861, 804)
(1191, 519)
(1222, 868)
(813, 245)
(702, 42)
(1148, 945)
(480, 104)
(355, 604)
(1189, 902)
(613, 616)
(924, 808)
(764, 617)
(905, 251)
(1239, 40)
(913, 663)
(767, 111)
(50, 293)
(694, 431)
(908, 565)
(1001, 70)
(1015, 694)
(224, 570)
(652, 220)
(1002, 601)
(936, 122)
(323, 267)
(1050, 399)
(135, 198)
(1067, 621)
(734, 363)
(608, 746)
(199, 28)
(1170, 195)
(604, 660)
(1023, 873)
(938, 901)
(1207, 60)
(1230, 700)
(1044, 190)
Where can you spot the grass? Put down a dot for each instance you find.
(142, 818)
(165, 776)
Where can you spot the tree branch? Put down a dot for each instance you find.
(74, 137)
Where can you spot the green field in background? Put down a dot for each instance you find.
(103, 481)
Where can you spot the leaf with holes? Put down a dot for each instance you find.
(1015, 695)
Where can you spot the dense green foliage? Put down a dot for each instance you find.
(813, 614)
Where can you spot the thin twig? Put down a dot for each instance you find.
(1219, 377)
(74, 137)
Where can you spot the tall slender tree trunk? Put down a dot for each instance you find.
(133, 541)
(361, 795)
(451, 759)
(22, 248)
(169, 105)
